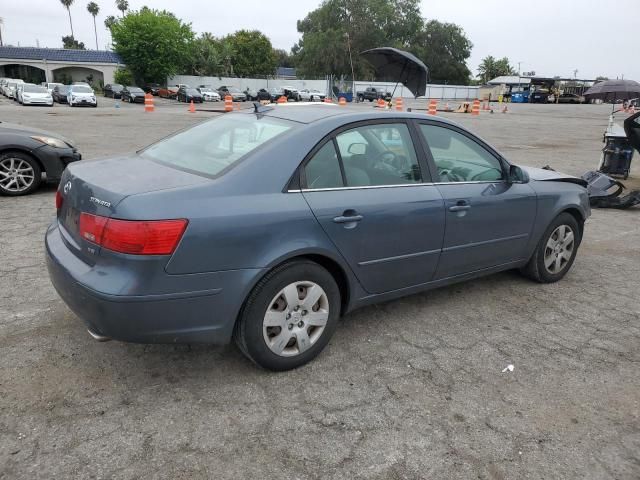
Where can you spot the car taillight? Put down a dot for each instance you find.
(136, 237)
(59, 200)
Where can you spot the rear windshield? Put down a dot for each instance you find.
(34, 89)
(211, 147)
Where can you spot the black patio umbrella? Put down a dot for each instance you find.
(613, 90)
(393, 65)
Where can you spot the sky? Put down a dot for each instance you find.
(550, 37)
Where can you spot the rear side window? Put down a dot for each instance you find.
(211, 147)
(380, 154)
(323, 169)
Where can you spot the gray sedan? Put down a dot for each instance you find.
(267, 226)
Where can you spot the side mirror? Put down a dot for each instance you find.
(357, 149)
(517, 175)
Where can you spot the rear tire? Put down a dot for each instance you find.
(555, 253)
(277, 329)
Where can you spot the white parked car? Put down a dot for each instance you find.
(35, 95)
(311, 95)
(81, 95)
(19, 89)
(12, 86)
(209, 94)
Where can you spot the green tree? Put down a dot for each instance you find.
(123, 6)
(154, 44)
(94, 9)
(110, 22)
(252, 53)
(444, 48)
(206, 57)
(71, 43)
(67, 4)
(283, 58)
(337, 26)
(123, 76)
(491, 68)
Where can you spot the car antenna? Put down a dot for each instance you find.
(259, 108)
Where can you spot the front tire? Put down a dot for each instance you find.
(20, 174)
(556, 251)
(289, 317)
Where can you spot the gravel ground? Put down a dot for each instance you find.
(408, 389)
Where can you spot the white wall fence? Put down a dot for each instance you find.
(444, 92)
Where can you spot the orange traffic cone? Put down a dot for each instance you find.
(148, 102)
(381, 103)
(192, 107)
(399, 104)
(433, 107)
(228, 103)
(328, 100)
(342, 101)
(475, 110)
(282, 99)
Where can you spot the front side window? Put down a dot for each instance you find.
(460, 159)
(380, 154)
(210, 147)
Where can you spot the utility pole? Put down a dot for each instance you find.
(1, 23)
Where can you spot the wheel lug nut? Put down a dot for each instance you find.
(297, 308)
(291, 326)
(288, 316)
(304, 312)
(301, 324)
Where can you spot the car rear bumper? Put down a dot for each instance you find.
(205, 315)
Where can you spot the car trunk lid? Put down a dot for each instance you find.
(97, 187)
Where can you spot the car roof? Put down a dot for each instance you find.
(307, 112)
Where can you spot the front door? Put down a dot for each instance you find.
(368, 192)
(488, 219)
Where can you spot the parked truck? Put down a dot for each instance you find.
(372, 93)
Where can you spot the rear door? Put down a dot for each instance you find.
(488, 219)
(373, 199)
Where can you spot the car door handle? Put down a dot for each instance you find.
(348, 218)
(460, 206)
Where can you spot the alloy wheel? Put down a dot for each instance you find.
(559, 249)
(295, 318)
(16, 175)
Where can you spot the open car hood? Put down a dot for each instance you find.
(545, 175)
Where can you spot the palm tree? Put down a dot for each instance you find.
(67, 4)
(109, 22)
(93, 9)
(123, 6)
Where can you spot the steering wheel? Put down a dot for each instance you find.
(385, 161)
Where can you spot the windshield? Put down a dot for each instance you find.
(206, 90)
(34, 89)
(211, 147)
(116, 87)
(134, 90)
(81, 89)
(192, 91)
(233, 90)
